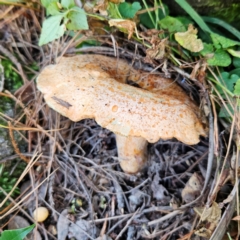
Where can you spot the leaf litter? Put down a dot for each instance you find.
(79, 162)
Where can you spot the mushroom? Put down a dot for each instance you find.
(93, 86)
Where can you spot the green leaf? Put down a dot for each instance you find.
(68, 3)
(222, 42)
(223, 24)
(235, 71)
(16, 234)
(113, 11)
(185, 20)
(237, 88)
(52, 29)
(227, 81)
(172, 24)
(234, 53)
(46, 3)
(194, 15)
(53, 9)
(220, 58)
(77, 18)
(208, 48)
(146, 20)
(129, 10)
(236, 62)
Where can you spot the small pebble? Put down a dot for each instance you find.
(40, 214)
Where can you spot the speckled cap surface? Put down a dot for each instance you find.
(85, 86)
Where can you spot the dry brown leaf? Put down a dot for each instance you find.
(203, 232)
(129, 25)
(83, 230)
(193, 188)
(157, 51)
(101, 7)
(212, 214)
(189, 39)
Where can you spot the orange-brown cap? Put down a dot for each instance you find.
(81, 87)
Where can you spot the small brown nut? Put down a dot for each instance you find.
(40, 214)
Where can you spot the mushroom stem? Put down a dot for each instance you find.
(132, 153)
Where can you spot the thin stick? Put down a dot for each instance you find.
(126, 226)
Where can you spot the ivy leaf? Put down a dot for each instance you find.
(189, 39)
(77, 18)
(172, 24)
(228, 80)
(16, 234)
(222, 42)
(52, 29)
(208, 49)
(220, 58)
(128, 10)
(67, 3)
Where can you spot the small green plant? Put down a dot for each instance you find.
(64, 15)
(12, 80)
(16, 234)
(8, 180)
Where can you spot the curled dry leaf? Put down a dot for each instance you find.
(82, 229)
(203, 232)
(189, 39)
(158, 49)
(193, 188)
(159, 191)
(63, 225)
(135, 199)
(211, 216)
(129, 25)
(101, 6)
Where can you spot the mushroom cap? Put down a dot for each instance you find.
(40, 214)
(84, 86)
